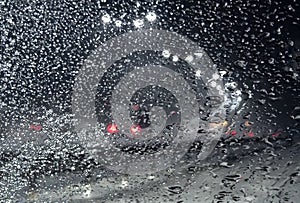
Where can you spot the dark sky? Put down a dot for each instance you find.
(45, 43)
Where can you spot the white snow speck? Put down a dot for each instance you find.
(118, 23)
(198, 73)
(106, 18)
(199, 55)
(151, 16)
(189, 58)
(138, 23)
(166, 53)
(175, 58)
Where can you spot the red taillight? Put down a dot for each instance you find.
(233, 132)
(135, 129)
(276, 134)
(112, 128)
(250, 134)
(35, 127)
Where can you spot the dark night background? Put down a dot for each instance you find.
(44, 43)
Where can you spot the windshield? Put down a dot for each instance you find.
(149, 101)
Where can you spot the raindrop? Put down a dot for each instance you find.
(138, 23)
(151, 16)
(166, 53)
(118, 23)
(106, 18)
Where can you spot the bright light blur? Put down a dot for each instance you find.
(151, 16)
(112, 128)
(106, 18)
(138, 23)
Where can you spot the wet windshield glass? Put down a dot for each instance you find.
(149, 101)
